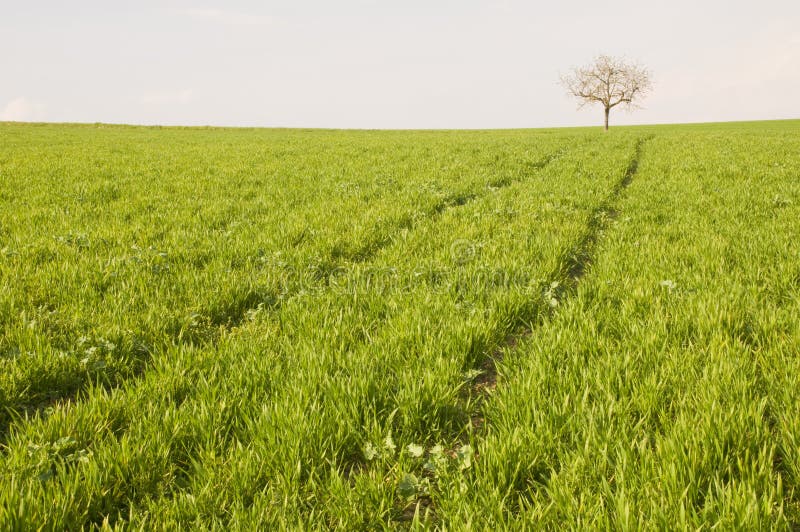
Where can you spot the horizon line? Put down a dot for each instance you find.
(324, 128)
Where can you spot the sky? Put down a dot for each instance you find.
(389, 64)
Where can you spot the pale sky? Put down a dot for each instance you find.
(389, 64)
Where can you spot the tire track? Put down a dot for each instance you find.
(573, 265)
(227, 315)
(205, 328)
(374, 244)
(566, 278)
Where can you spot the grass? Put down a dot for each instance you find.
(243, 329)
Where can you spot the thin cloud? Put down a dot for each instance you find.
(22, 110)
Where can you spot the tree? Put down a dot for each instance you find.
(608, 81)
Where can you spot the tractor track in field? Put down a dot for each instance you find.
(573, 267)
(449, 203)
(228, 315)
(220, 320)
(372, 246)
(235, 313)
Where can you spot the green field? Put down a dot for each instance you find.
(284, 329)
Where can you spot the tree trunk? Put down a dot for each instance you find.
(608, 110)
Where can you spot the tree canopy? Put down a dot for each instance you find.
(608, 81)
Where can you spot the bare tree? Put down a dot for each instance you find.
(608, 81)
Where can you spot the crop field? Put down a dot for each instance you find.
(243, 329)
